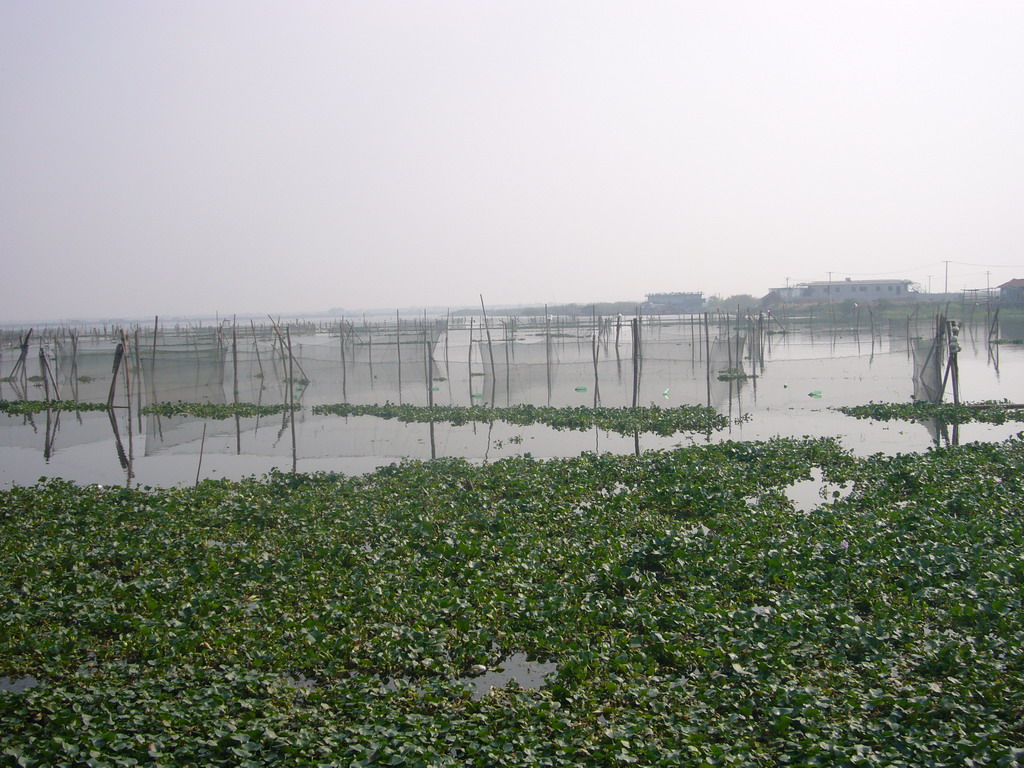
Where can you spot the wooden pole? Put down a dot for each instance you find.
(202, 447)
(291, 399)
(636, 361)
(152, 361)
(234, 377)
(487, 330)
(20, 365)
(344, 367)
(398, 344)
(469, 360)
(428, 368)
(728, 337)
(128, 400)
(137, 356)
(993, 329)
(369, 348)
(118, 357)
(447, 328)
(547, 348)
(636, 378)
(954, 349)
(256, 344)
(286, 350)
(43, 374)
(707, 353)
(118, 445)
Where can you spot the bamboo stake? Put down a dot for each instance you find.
(51, 434)
(118, 445)
(596, 347)
(469, 361)
(728, 340)
(398, 344)
(138, 380)
(202, 446)
(428, 368)
(291, 399)
(152, 362)
(290, 359)
(20, 365)
(508, 367)
(707, 353)
(369, 348)
(993, 329)
(547, 350)
(118, 356)
(74, 366)
(156, 325)
(490, 348)
(234, 382)
(42, 371)
(256, 344)
(344, 366)
(636, 361)
(447, 329)
(128, 400)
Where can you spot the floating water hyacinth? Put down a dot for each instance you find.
(281, 620)
(625, 421)
(948, 413)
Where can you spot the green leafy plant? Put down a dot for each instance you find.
(734, 374)
(693, 616)
(947, 413)
(623, 421)
(39, 406)
(214, 410)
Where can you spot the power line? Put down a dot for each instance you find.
(932, 264)
(895, 271)
(990, 266)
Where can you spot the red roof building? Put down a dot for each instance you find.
(1012, 291)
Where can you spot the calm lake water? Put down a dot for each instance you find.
(795, 380)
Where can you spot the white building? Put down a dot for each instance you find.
(864, 290)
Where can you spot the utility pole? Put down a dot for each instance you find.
(829, 287)
(946, 288)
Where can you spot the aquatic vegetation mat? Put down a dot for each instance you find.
(25, 407)
(947, 413)
(623, 421)
(689, 615)
(215, 411)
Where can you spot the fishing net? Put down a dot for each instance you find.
(564, 369)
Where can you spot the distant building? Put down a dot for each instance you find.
(1012, 292)
(841, 290)
(865, 290)
(674, 303)
(785, 295)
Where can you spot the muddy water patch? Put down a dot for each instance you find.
(517, 667)
(17, 684)
(807, 495)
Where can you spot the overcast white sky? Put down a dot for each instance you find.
(191, 156)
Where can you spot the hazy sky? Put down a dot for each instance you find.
(193, 156)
